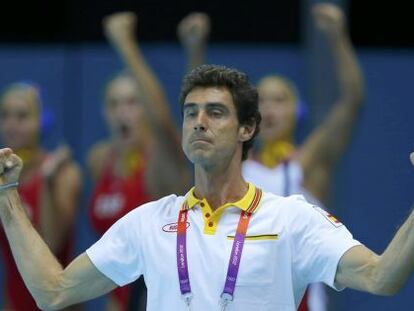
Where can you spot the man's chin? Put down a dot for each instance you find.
(199, 157)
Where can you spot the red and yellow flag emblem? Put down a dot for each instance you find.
(332, 219)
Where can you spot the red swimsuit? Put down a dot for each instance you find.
(114, 197)
(18, 297)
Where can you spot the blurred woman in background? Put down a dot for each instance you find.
(277, 164)
(142, 160)
(49, 185)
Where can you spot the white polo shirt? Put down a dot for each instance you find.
(289, 244)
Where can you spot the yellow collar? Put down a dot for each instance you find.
(248, 203)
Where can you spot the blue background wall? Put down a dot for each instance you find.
(375, 181)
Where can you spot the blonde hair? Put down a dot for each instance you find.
(124, 74)
(289, 84)
(25, 90)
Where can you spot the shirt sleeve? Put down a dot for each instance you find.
(319, 242)
(118, 253)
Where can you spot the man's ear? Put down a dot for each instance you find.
(246, 132)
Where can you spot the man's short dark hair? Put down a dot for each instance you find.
(244, 94)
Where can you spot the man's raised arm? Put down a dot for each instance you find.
(51, 286)
(362, 269)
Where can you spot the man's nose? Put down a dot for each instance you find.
(201, 122)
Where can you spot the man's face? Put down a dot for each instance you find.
(211, 132)
(278, 109)
(124, 111)
(19, 122)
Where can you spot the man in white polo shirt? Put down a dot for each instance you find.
(225, 245)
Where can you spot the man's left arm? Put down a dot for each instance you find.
(362, 269)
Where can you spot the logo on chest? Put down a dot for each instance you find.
(172, 227)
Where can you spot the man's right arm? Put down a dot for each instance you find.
(51, 286)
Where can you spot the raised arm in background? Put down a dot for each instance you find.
(193, 32)
(324, 147)
(168, 171)
(59, 198)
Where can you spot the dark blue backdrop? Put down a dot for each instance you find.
(375, 182)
